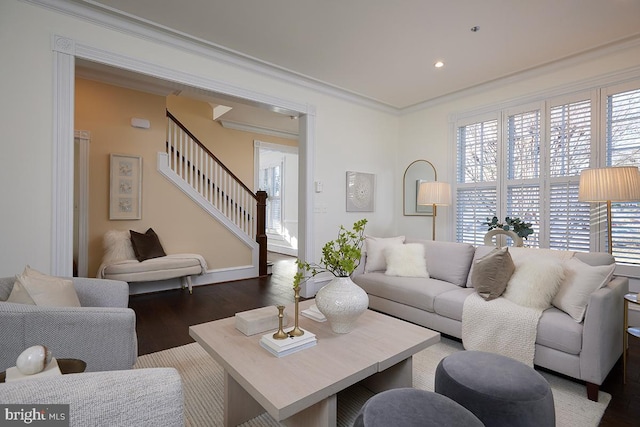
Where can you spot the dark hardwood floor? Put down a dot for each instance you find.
(163, 321)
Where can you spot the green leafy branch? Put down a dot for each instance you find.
(340, 256)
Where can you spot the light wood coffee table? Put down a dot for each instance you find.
(300, 389)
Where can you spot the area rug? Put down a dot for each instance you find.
(203, 388)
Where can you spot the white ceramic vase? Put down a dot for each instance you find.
(342, 302)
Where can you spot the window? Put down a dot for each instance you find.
(531, 170)
(477, 177)
(271, 182)
(623, 149)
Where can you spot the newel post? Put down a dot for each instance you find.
(261, 232)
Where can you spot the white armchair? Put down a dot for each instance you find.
(102, 332)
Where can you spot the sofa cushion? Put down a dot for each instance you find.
(535, 282)
(162, 268)
(480, 252)
(447, 261)
(491, 273)
(449, 304)
(406, 260)
(416, 292)
(374, 248)
(559, 331)
(35, 288)
(581, 280)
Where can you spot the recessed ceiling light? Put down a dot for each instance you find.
(439, 64)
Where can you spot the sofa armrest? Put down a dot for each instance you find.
(101, 292)
(603, 331)
(138, 397)
(103, 337)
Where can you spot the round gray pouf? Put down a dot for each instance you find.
(500, 391)
(408, 407)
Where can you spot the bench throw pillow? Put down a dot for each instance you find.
(35, 288)
(581, 280)
(147, 245)
(406, 260)
(117, 246)
(492, 272)
(374, 248)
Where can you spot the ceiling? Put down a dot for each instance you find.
(385, 50)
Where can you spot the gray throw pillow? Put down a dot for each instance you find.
(492, 272)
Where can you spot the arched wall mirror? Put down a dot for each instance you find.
(418, 171)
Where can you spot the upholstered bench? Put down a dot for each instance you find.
(136, 257)
(409, 407)
(499, 390)
(161, 268)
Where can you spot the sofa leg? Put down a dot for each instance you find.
(592, 391)
(191, 286)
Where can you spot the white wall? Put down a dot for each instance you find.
(348, 136)
(428, 133)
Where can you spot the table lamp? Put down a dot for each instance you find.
(610, 184)
(434, 193)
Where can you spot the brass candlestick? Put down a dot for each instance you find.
(281, 334)
(296, 331)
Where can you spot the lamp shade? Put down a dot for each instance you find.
(615, 184)
(434, 193)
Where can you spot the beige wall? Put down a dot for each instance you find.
(106, 111)
(232, 147)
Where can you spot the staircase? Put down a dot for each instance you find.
(208, 182)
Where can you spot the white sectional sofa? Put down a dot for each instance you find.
(585, 350)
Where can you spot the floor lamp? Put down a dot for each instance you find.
(434, 193)
(611, 184)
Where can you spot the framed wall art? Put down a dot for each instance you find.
(360, 191)
(125, 187)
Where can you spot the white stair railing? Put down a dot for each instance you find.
(211, 179)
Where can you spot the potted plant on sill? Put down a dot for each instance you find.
(512, 227)
(341, 301)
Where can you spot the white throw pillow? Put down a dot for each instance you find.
(35, 288)
(406, 260)
(374, 248)
(117, 246)
(580, 281)
(535, 282)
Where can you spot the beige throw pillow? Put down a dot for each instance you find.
(406, 260)
(35, 288)
(581, 280)
(374, 248)
(492, 272)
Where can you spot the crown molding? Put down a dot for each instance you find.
(528, 73)
(113, 19)
(258, 129)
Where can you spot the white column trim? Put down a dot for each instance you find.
(62, 158)
(83, 137)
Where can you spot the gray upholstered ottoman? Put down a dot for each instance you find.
(408, 407)
(499, 390)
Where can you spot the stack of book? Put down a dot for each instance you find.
(289, 345)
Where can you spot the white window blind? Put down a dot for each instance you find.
(474, 205)
(523, 170)
(623, 149)
(569, 154)
(477, 176)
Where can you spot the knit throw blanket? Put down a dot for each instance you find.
(500, 326)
